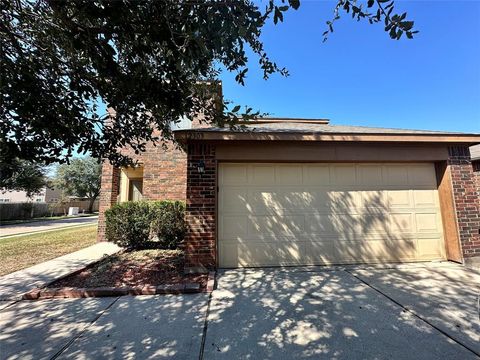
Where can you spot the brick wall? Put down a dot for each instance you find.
(164, 173)
(201, 200)
(466, 193)
(108, 195)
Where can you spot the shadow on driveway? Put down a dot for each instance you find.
(287, 314)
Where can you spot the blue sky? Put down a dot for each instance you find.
(362, 77)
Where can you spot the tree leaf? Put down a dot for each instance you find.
(294, 4)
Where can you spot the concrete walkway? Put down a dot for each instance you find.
(13, 285)
(40, 226)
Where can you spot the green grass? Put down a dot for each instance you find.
(20, 252)
(46, 218)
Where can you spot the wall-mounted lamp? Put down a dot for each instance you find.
(201, 167)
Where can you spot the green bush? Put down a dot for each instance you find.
(143, 225)
(168, 224)
(128, 224)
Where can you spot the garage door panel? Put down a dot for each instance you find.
(234, 174)
(344, 175)
(402, 223)
(427, 222)
(293, 214)
(373, 198)
(316, 175)
(274, 225)
(399, 198)
(342, 226)
(429, 247)
(370, 176)
(231, 226)
(343, 201)
(234, 199)
(425, 198)
(288, 175)
(262, 174)
(320, 253)
(396, 176)
(421, 174)
(279, 199)
(264, 254)
(373, 223)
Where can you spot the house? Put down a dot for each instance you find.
(306, 192)
(48, 195)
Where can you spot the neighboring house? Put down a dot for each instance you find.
(304, 192)
(47, 195)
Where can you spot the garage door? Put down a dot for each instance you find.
(306, 214)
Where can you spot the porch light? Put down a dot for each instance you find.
(201, 167)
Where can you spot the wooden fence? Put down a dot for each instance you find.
(24, 211)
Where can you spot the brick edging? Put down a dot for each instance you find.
(211, 285)
(38, 294)
(189, 288)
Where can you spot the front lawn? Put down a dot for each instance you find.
(20, 252)
(134, 269)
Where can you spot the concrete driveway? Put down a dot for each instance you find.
(408, 312)
(405, 312)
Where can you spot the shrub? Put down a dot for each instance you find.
(142, 225)
(128, 224)
(169, 223)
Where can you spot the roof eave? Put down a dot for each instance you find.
(195, 134)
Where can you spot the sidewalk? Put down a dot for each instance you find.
(38, 226)
(13, 285)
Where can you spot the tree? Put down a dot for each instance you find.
(80, 178)
(153, 61)
(21, 175)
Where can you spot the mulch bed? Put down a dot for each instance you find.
(132, 269)
(143, 272)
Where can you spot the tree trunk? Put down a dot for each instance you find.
(90, 205)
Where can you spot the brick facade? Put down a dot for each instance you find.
(165, 176)
(466, 193)
(200, 243)
(108, 195)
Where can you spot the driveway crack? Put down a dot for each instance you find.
(205, 326)
(410, 311)
(72, 340)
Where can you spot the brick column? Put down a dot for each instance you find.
(200, 249)
(108, 195)
(466, 194)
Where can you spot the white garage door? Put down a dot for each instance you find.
(302, 214)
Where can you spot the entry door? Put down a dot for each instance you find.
(304, 214)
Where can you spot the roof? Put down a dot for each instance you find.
(321, 130)
(310, 127)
